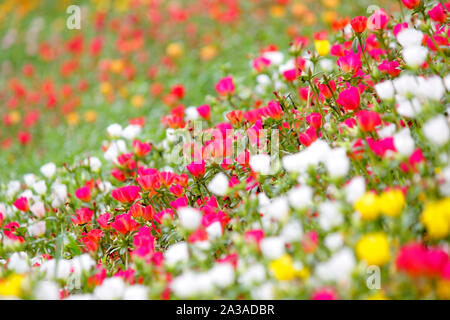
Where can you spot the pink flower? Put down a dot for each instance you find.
(438, 13)
(103, 221)
(308, 137)
(324, 294)
(225, 86)
(349, 98)
(390, 67)
(290, 75)
(411, 4)
(196, 169)
(254, 235)
(368, 120)
(84, 194)
(350, 63)
(378, 20)
(126, 194)
(144, 242)
(204, 111)
(359, 24)
(21, 204)
(315, 120)
(141, 149)
(399, 27)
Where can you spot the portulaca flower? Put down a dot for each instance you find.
(275, 57)
(46, 290)
(431, 88)
(414, 56)
(214, 230)
(190, 218)
(135, 292)
(277, 209)
(219, 184)
(300, 197)
(408, 108)
(260, 163)
(255, 273)
(176, 253)
(114, 130)
(326, 65)
(334, 241)
(355, 189)
(403, 142)
(48, 170)
(94, 163)
(292, 231)
(272, 247)
(406, 85)
(131, 131)
(40, 187)
(111, 289)
(385, 90)
(437, 130)
(338, 267)
(337, 163)
(18, 262)
(37, 229)
(410, 37)
(12, 188)
(29, 179)
(447, 82)
(222, 275)
(192, 113)
(330, 215)
(263, 292)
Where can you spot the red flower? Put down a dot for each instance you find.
(124, 223)
(1, 219)
(349, 98)
(368, 120)
(149, 182)
(92, 238)
(225, 86)
(137, 210)
(84, 194)
(9, 231)
(82, 216)
(204, 111)
(314, 119)
(126, 194)
(141, 149)
(359, 24)
(254, 235)
(21, 204)
(411, 4)
(390, 67)
(235, 116)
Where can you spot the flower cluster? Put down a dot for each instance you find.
(323, 161)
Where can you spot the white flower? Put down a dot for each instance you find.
(59, 192)
(437, 131)
(289, 65)
(431, 88)
(387, 131)
(329, 215)
(56, 268)
(111, 288)
(136, 292)
(185, 285)
(260, 163)
(222, 275)
(337, 163)
(131, 131)
(408, 108)
(192, 113)
(46, 290)
(447, 82)
(263, 292)
(277, 209)
(214, 230)
(94, 163)
(176, 253)
(48, 170)
(37, 229)
(219, 184)
(29, 179)
(12, 188)
(40, 187)
(414, 56)
(385, 90)
(326, 65)
(410, 37)
(338, 267)
(114, 130)
(355, 189)
(334, 241)
(403, 142)
(292, 231)
(275, 57)
(18, 262)
(255, 273)
(406, 85)
(300, 197)
(263, 80)
(272, 247)
(190, 218)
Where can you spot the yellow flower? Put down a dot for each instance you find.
(329, 16)
(436, 218)
(443, 289)
(368, 206)
(208, 52)
(391, 202)
(11, 286)
(14, 117)
(373, 248)
(117, 66)
(322, 47)
(378, 296)
(90, 116)
(283, 268)
(137, 101)
(106, 88)
(298, 9)
(123, 92)
(174, 50)
(277, 11)
(330, 3)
